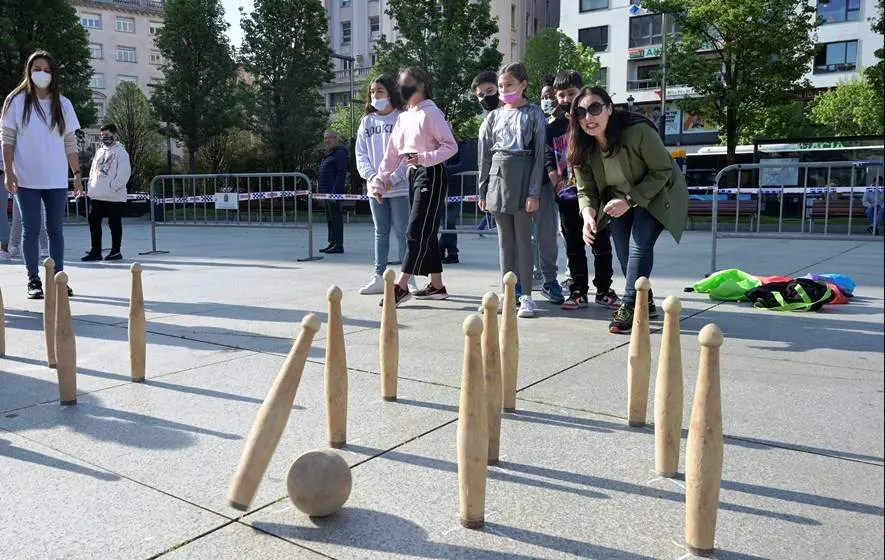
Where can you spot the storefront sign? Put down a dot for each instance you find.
(643, 52)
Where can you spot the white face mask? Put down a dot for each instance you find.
(41, 79)
(548, 106)
(380, 104)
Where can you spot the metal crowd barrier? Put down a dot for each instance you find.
(822, 199)
(231, 200)
(456, 204)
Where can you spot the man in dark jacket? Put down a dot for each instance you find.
(333, 171)
(464, 160)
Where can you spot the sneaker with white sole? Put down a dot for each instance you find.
(430, 292)
(15, 252)
(413, 287)
(527, 307)
(374, 287)
(4, 256)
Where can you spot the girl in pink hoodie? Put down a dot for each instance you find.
(423, 140)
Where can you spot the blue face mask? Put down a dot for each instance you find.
(380, 104)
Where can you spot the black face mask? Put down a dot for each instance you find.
(490, 102)
(564, 108)
(408, 92)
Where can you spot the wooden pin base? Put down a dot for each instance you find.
(138, 380)
(510, 409)
(53, 366)
(635, 424)
(389, 399)
(493, 462)
(668, 474)
(705, 552)
(472, 524)
(68, 403)
(238, 507)
(337, 444)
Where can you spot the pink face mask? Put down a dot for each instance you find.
(510, 98)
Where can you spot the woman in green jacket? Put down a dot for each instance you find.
(628, 180)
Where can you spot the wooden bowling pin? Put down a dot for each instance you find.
(65, 343)
(137, 327)
(2, 326)
(491, 362)
(336, 372)
(703, 456)
(271, 419)
(668, 393)
(49, 312)
(389, 343)
(473, 440)
(639, 357)
(509, 343)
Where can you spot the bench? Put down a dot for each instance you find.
(838, 208)
(725, 208)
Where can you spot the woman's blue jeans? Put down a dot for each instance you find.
(391, 214)
(30, 201)
(634, 235)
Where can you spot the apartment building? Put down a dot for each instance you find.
(121, 46)
(629, 39)
(355, 25)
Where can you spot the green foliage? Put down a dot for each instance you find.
(469, 128)
(53, 26)
(735, 62)
(450, 41)
(875, 74)
(199, 94)
(853, 108)
(340, 122)
(130, 110)
(550, 51)
(232, 151)
(787, 120)
(285, 49)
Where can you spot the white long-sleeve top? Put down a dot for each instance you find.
(109, 174)
(371, 146)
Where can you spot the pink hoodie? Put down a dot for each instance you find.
(421, 130)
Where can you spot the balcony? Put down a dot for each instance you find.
(359, 75)
(832, 68)
(153, 6)
(636, 85)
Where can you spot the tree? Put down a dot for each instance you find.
(130, 110)
(232, 151)
(286, 51)
(450, 41)
(340, 122)
(734, 60)
(788, 120)
(853, 108)
(552, 50)
(53, 26)
(875, 74)
(199, 94)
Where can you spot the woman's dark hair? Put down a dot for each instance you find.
(57, 118)
(421, 79)
(515, 69)
(581, 144)
(386, 80)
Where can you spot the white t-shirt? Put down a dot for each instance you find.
(39, 161)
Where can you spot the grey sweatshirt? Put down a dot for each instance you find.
(514, 131)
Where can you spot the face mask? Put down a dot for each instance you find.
(380, 104)
(490, 102)
(408, 92)
(41, 79)
(510, 98)
(548, 106)
(107, 140)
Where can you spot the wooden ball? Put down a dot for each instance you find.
(319, 482)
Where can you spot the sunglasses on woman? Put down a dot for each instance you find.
(594, 109)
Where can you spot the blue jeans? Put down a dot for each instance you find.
(634, 235)
(29, 201)
(4, 217)
(391, 214)
(874, 213)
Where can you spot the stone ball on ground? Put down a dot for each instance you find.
(319, 482)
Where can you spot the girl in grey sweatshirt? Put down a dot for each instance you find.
(390, 210)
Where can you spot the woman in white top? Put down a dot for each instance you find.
(39, 145)
(390, 210)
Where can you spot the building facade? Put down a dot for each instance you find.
(629, 39)
(355, 26)
(122, 46)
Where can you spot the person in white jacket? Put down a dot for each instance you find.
(107, 193)
(390, 210)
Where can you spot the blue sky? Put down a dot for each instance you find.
(232, 15)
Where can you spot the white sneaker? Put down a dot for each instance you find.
(527, 307)
(413, 287)
(14, 252)
(375, 286)
(4, 256)
(44, 253)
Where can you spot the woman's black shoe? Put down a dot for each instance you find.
(334, 250)
(114, 256)
(35, 288)
(91, 256)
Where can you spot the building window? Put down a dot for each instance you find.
(602, 77)
(122, 79)
(97, 81)
(594, 37)
(837, 11)
(592, 5)
(125, 24)
(645, 30)
(99, 109)
(835, 57)
(155, 28)
(527, 27)
(374, 27)
(647, 77)
(512, 17)
(126, 54)
(96, 51)
(156, 58)
(345, 32)
(536, 26)
(90, 21)
(345, 3)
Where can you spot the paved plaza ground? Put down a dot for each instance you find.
(139, 471)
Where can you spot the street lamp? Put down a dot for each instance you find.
(168, 142)
(630, 101)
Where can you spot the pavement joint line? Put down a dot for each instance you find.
(189, 541)
(285, 540)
